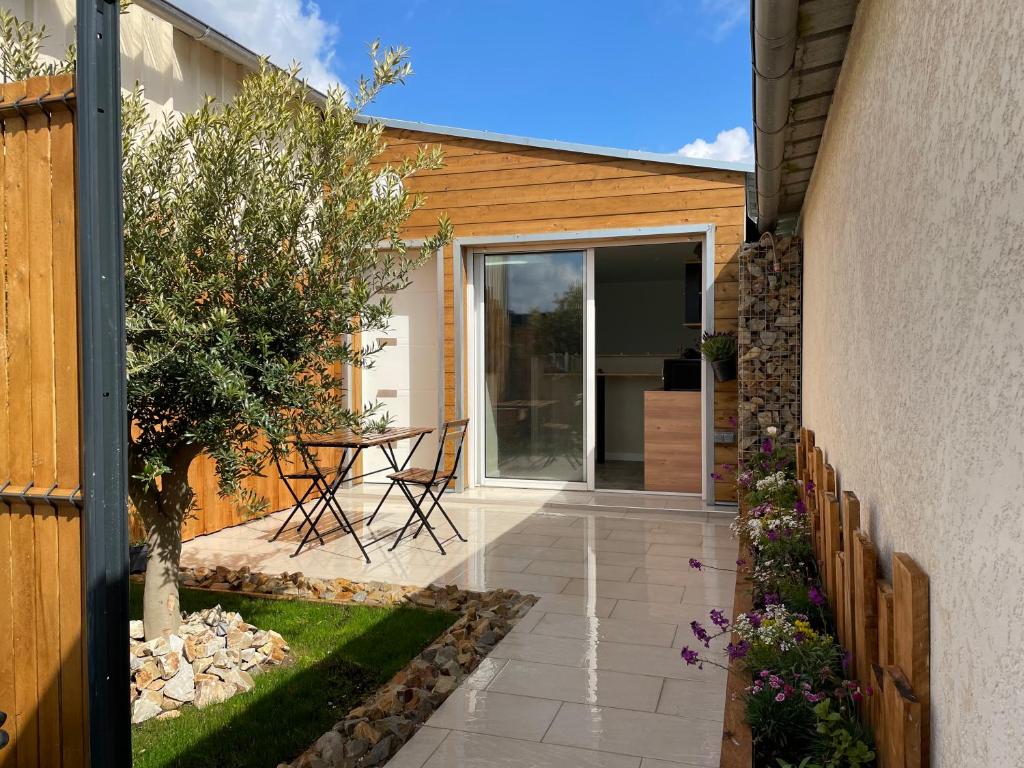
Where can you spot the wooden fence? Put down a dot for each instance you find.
(42, 660)
(883, 624)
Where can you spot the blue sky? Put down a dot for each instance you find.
(655, 75)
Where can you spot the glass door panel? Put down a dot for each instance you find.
(534, 388)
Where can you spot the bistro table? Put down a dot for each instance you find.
(352, 445)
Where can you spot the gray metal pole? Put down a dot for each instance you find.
(104, 404)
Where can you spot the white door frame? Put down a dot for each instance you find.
(467, 338)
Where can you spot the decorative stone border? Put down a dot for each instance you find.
(372, 732)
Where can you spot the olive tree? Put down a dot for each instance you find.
(259, 235)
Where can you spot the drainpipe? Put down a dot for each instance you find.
(773, 33)
(211, 38)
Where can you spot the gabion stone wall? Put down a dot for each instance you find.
(769, 341)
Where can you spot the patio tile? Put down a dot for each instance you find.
(650, 762)
(626, 590)
(636, 733)
(698, 701)
(581, 570)
(525, 582)
(537, 553)
(415, 752)
(498, 714)
(529, 621)
(471, 750)
(575, 605)
(727, 552)
(584, 686)
(680, 613)
(602, 545)
(613, 630)
(485, 672)
(655, 661)
(527, 539)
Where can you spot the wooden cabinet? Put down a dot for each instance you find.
(672, 442)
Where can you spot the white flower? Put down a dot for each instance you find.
(772, 431)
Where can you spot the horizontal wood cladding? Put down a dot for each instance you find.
(496, 188)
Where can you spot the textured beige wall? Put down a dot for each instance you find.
(176, 70)
(914, 321)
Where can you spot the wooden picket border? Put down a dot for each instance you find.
(884, 625)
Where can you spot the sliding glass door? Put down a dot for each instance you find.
(533, 310)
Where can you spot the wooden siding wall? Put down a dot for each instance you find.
(42, 661)
(490, 188)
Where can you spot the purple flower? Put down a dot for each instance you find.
(754, 618)
(809, 486)
(690, 656)
(700, 633)
(800, 508)
(719, 619)
(772, 534)
(799, 637)
(697, 564)
(716, 476)
(815, 595)
(780, 696)
(741, 562)
(771, 599)
(738, 650)
(847, 660)
(732, 421)
(767, 446)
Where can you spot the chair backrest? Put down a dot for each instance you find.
(452, 433)
(301, 449)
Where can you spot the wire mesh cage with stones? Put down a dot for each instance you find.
(769, 341)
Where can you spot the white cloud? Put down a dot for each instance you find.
(733, 145)
(284, 30)
(725, 14)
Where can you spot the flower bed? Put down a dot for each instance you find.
(796, 696)
(373, 732)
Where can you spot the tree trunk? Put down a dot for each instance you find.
(163, 508)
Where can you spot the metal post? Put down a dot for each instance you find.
(104, 404)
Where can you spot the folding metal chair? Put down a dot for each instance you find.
(454, 433)
(318, 482)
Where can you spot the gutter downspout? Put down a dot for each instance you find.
(773, 35)
(211, 38)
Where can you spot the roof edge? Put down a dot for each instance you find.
(565, 146)
(235, 51)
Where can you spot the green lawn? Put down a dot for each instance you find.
(339, 655)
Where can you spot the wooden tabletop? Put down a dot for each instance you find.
(349, 439)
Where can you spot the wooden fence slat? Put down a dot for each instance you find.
(830, 545)
(911, 629)
(840, 601)
(7, 665)
(850, 509)
(865, 606)
(19, 374)
(66, 420)
(47, 586)
(902, 733)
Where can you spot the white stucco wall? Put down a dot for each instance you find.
(914, 327)
(176, 70)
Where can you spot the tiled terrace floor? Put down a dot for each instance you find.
(592, 675)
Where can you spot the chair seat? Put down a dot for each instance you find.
(300, 476)
(419, 476)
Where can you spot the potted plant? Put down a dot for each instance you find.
(719, 349)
